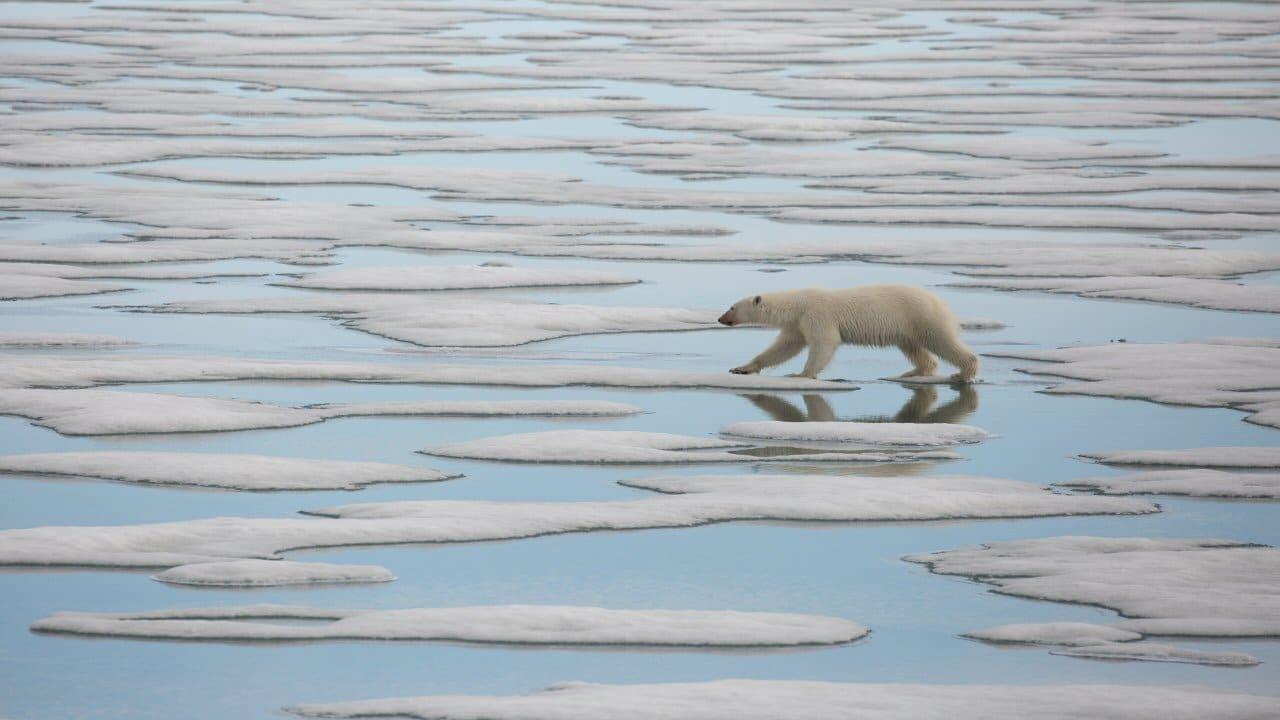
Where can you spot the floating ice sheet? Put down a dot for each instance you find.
(685, 501)
(1196, 292)
(506, 624)
(770, 699)
(1169, 586)
(75, 411)
(1158, 652)
(473, 322)
(271, 573)
(60, 371)
(1054, 633)
(26, 287)
(1197, 482)
(1202, 374)
(57, 340)
(233, 472)
(1219, 457)
(452, 278)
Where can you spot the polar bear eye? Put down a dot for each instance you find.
(757, 300)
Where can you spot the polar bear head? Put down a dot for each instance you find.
(746, 310)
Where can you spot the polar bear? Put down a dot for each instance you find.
(916, 321)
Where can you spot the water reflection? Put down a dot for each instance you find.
(918, 409)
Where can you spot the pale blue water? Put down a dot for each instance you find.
(849, 570)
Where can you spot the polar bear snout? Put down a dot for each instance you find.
(729, 318)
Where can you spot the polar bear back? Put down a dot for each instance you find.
(878, 315)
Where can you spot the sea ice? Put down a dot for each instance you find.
(1054, 633)
(509, 624)
(51, 340)
(451, 278)
(1187, 586)
(233, 472)
(1201, 374)
(1158, 652)
(684, 501)
(852, 433)
(772, 699)
(1197, 482)
(1260, 456)
(269, 573)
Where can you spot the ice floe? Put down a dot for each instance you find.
(1202, 374)
(1196, 292)
(1195, 482)
(271, 573)
(13, 339)
(234, 472)
(1158, 652)
(770, 699)
(1167, 586)
(60, 371)
(26, 287)
(76, 411)
(452, 278)
(457, 323)
(505, 624)
(683, 501)
(1054, 633)
(1260, 456)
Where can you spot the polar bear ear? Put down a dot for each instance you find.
(757, 300)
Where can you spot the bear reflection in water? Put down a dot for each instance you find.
(919, 409)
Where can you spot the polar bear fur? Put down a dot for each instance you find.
(914, 320)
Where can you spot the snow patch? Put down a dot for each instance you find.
(271, 573)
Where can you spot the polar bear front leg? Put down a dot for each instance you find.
(822, 347)
(787, 345)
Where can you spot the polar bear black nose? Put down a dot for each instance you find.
(727, 319)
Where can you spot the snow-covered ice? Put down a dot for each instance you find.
(771, 699)
(1203, 374)
(509, 624)
(233, 472)
(49, 340)
(1196, 482)
(1158, 652)
(270, 573)
(1261, 456)
(452, 278)
(76, 411)
(684, 501)
(1054, 633)
(1169, 586)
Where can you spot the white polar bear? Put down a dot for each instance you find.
(918, 322)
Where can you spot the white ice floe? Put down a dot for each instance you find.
(56, 340)
(631, 447)
(1195, 482)
(683, 501)
(856, 434)
(60, 371)
(26, 287)
(270, 573)
(1103, 642)
(772, 699)
(508, 624)
(76, 411)
(1054, 633)
(1169, 586)
(457, 323)
(1202, 374)
(235, 472)
(981, 324)
(474, 277)
(1260, 456)
(1196, 292)
(1157, 652)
